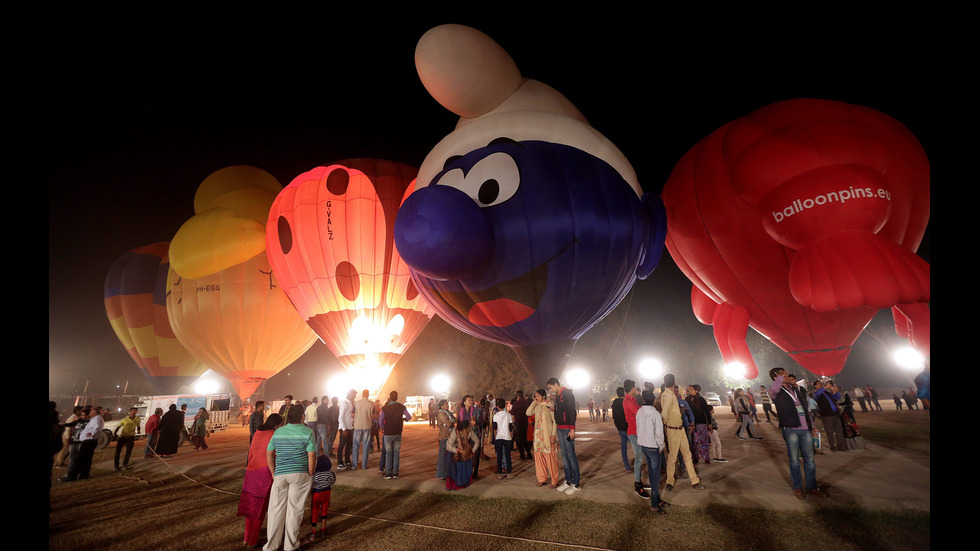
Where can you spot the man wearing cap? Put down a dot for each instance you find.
(677, 442)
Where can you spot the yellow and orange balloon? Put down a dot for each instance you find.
(330, 242)
(224, 302)
(135, 303)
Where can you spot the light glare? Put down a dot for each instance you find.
(909, 358)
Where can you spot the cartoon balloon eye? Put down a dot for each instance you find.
(348, 280)
(489, 182)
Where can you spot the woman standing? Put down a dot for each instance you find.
(200, 429)
(461, 447)
(545, 439)
(254, 501)
(701, 435)
(171, 424)
(445, 420)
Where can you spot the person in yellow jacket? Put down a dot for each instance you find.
(126, 430)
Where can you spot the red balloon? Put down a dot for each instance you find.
(801, 220)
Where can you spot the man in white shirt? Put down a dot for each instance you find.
(345, 424)
(89, 440)
(311, 419)
(504, 441)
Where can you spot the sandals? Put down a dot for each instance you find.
(540, 484)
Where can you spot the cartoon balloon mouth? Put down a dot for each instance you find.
(506, 303)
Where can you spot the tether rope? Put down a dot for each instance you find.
(405, 523)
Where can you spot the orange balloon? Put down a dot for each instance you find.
(330, 238)
(238, 322)
(135, 303)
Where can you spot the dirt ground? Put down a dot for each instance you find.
(189, 501)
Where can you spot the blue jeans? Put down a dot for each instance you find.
(503, 448)
(637, 458)
(623, 442)
(393, 446)
(566, 448)
(442, 469)
(321, 434)
(362, 442)
(653, 457)
(800, 441)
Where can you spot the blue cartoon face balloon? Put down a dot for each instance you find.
(526, 229)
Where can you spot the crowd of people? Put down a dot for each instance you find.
(671, 429)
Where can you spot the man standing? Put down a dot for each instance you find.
(311, 420)
(630, 407)
(285, 407)
(650, 435)
(518, 409)
(256, 419)
(393, 417)
(130, 427)
(565, 416)
(859, 396)
(872, 395)
(675, 434)
(88, 439)
(345, 421)
(75, 443)
(363, 410)
(322, 412)
(622, 426)
(826, 395)
(432, 412)
(333, 426)
(792, 410)
(152, 431)
(766, 402)
(292, 461)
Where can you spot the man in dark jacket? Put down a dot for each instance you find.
(826, 395)
(518, 409)
(793, 412)
(565, 415)
(393, 417)
(622, 425)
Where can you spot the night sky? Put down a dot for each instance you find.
(144, 114)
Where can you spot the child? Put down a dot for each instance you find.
(503, 424)
(715, 448)
(323, 479)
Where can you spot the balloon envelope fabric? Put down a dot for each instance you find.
(135, 302)
(330, 241)
(801, 220)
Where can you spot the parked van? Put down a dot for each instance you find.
(217, 406)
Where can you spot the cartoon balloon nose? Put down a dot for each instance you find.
(442, 234)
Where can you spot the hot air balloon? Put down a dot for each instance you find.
(527, 226)
(801, 220)
(330, 243)
(223, 300)
(135, 290)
